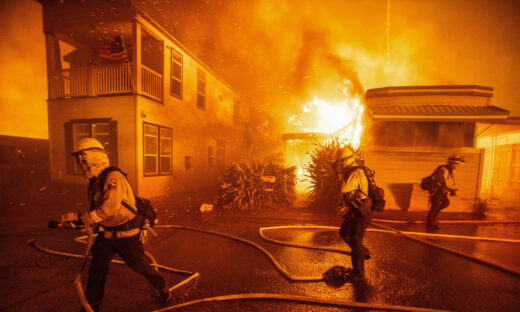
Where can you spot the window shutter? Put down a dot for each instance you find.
(69, 148)
(112, 132)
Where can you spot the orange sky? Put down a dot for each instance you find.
(23, 78)
(280, 54)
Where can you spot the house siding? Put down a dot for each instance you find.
(400, 172)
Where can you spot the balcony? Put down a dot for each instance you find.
(105, 80)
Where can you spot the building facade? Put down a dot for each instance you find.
(415, 129)
(501, 171)
(115, 74)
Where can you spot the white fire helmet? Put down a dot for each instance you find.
(88, 144)
(347, 156)
(91, 156)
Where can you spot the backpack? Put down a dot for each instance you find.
(427, 182)
(146, 214)
(375, 193)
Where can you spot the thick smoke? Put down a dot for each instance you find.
(278, 54)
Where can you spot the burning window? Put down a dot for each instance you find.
(201, 89)
(157, 150)
(176, 74)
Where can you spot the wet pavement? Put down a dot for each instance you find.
(401, 271)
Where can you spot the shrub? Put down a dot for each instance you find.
(480, 208)
(242, 186)
(325, 187)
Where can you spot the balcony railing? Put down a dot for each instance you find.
(152, 83)
(100, 80)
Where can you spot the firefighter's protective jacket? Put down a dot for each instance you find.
(443, 180)
(357, 180)
(106, 208)
(355, 192)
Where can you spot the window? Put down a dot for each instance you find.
(388, 133)
(157, 150)
(102, 129)
(211, 156)
(201, 89)
(221, 154)
(427, 134)
(176, 74)
(236, 111)
(187, 162)
(515, 164)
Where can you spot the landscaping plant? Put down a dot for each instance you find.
(256, 184)
(325, 186)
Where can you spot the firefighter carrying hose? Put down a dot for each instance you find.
(117, 226)
(357, 211)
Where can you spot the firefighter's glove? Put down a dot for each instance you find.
(72, 220)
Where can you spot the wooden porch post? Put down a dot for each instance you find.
(136, 57)
(55, 83)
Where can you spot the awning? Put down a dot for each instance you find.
(423, 112)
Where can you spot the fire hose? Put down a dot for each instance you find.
(284, 272)
(405, 234)
(191, 280)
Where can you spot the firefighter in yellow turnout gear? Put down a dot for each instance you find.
(118, 230)
(443, 185)
(356, 213)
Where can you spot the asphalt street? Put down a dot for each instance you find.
(401, 272)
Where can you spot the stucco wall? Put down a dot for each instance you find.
(118, 108)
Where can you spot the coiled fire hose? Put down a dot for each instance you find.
(283, 271)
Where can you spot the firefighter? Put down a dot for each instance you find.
(357, 211)
(117, 227)
(443, 185)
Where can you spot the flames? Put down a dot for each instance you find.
(340, 119)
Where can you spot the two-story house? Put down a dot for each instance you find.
(117, 75)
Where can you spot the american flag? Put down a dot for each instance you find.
(115, 51)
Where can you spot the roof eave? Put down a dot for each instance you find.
(437, 118)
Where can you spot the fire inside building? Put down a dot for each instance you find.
(410, 131)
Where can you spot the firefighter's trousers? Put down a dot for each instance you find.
(352, 231)
(438, 201)
(131, 250)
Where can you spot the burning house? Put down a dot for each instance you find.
(117, 75)
(414, 129)
(408, 133)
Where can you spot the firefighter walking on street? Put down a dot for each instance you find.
(356, 211)
(118, 229)
(443, 185)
